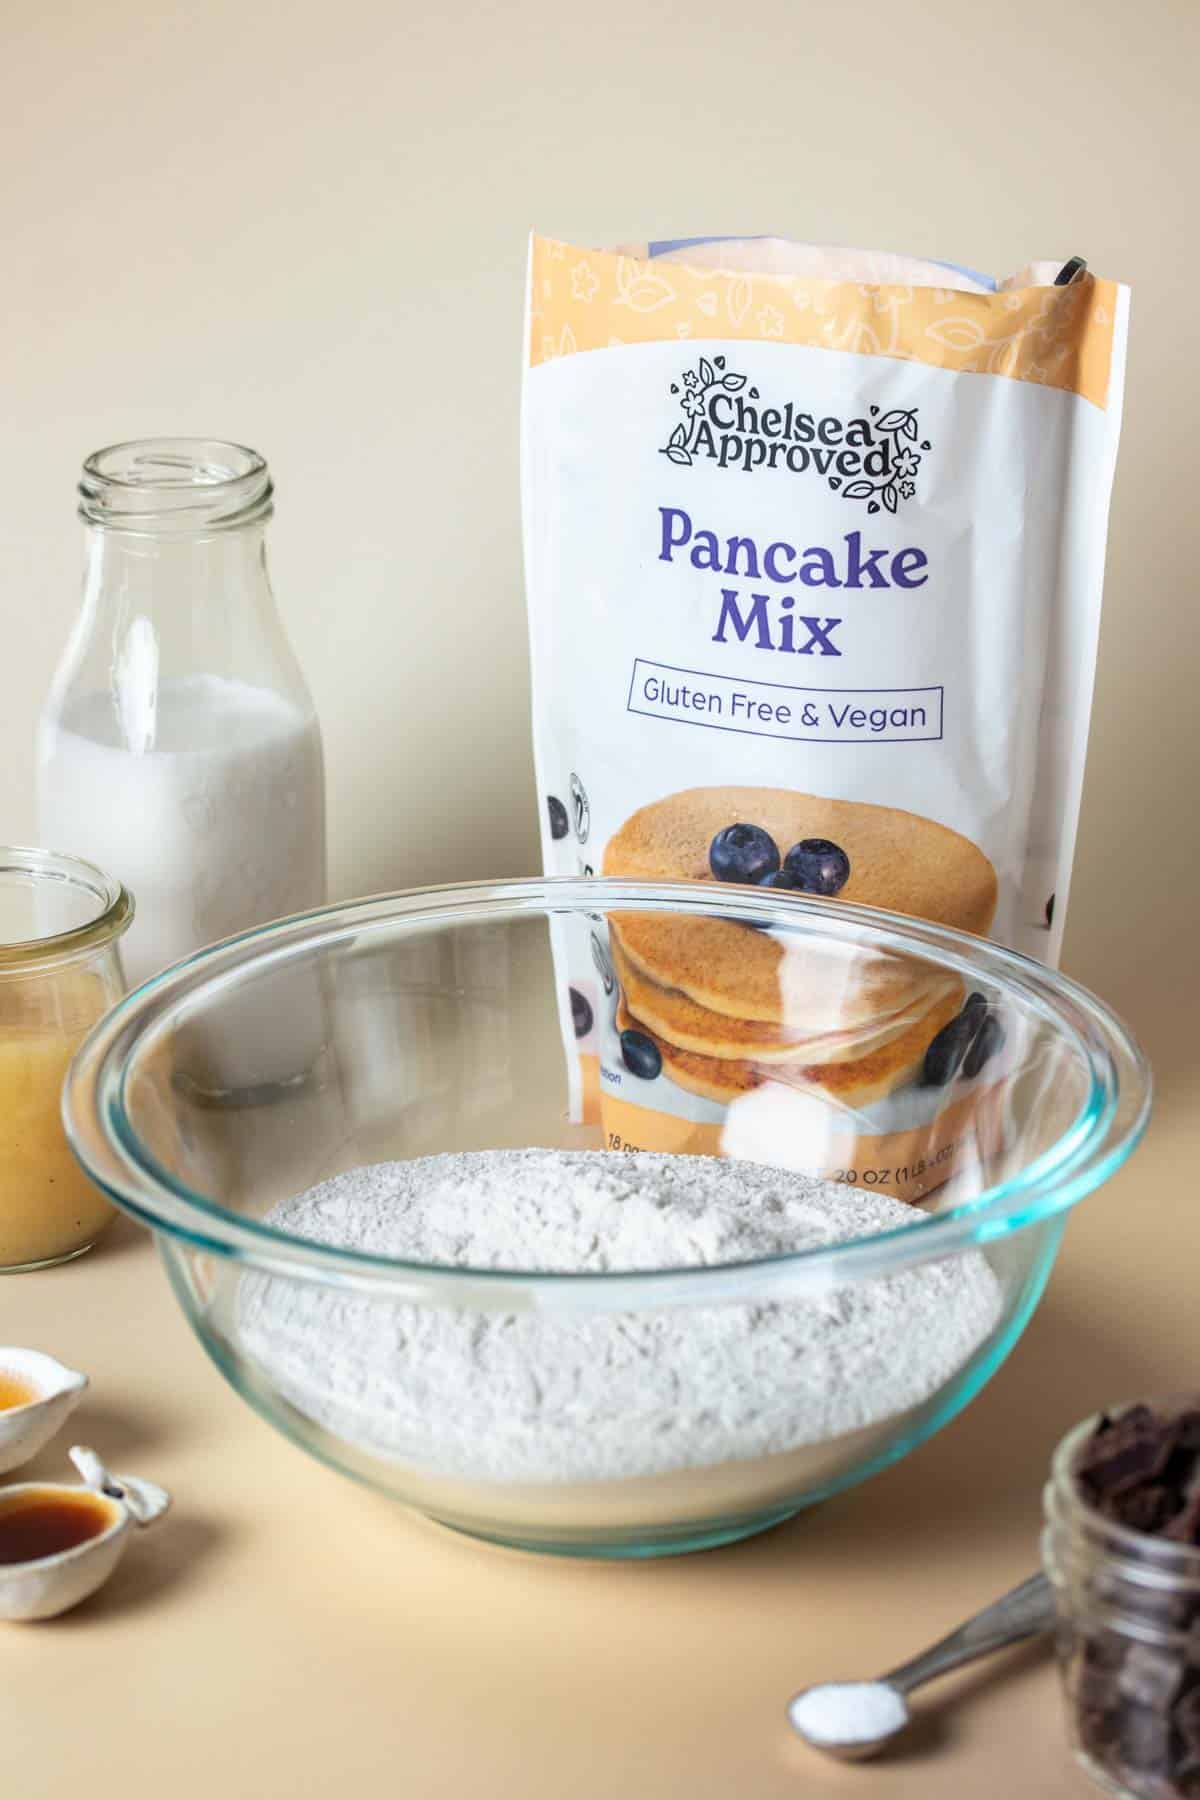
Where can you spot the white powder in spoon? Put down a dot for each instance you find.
(553, 1396)
(848, 1712)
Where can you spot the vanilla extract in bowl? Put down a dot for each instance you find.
(47, 1521)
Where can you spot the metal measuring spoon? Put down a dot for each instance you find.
(853, 1720)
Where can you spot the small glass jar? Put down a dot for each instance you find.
(61, 922)
(1128, 1640)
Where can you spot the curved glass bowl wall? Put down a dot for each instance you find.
(438, 1023)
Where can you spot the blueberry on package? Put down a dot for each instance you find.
(814, 547)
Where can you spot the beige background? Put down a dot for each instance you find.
(303, 226)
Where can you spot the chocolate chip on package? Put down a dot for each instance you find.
(814, 546)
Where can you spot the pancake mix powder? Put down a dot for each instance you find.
(814, 547)
(543, 1397)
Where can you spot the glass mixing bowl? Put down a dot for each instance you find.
(828, 1039)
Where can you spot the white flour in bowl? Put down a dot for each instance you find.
(593, 1397)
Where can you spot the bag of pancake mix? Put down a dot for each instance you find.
(814, 548)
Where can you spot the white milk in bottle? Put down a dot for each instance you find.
(179, 747)
(209, 818)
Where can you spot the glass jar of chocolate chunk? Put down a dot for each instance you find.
(1122, 1550)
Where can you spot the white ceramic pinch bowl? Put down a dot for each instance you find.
(57, 1392)
(48, 1585)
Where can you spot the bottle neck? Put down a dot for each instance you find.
(175, 587)
(169, 577)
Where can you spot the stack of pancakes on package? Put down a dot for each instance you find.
(730, 1006)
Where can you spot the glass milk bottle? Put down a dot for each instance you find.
(179, 748)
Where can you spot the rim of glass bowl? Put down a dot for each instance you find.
(1106, 1129)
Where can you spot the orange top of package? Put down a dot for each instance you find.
(1060, 337)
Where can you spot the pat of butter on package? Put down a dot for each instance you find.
(814, 547)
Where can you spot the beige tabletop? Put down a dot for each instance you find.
(287, 1634)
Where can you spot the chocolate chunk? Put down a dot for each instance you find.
(1150, 1678)
(1141, 1413)
(1184, 1528)
(1105, 1650)
(1094, 1689)
(1133, 1450)
(1180, 1612)
(1143, 1509)
(1187, 1429)
(1092, 1671)
(1099, 1730)
(1181, 1466)
(1186, 1718)
(1145, 1738)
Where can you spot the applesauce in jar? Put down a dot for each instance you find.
(60, 969)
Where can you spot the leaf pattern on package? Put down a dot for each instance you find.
(903, 422)
(739, 298)
(957, 334)
(640, 287)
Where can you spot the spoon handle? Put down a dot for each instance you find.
(1024, 1612)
